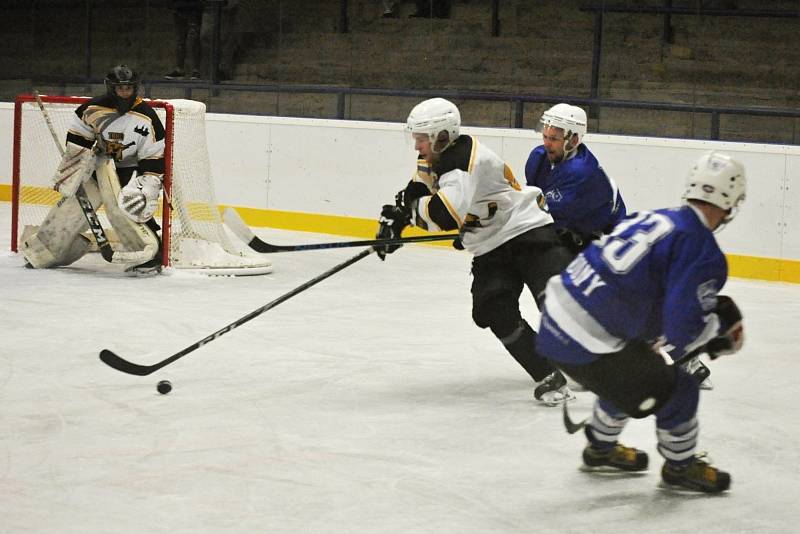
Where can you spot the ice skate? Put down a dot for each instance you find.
(617, 457)
(696, 476)
(553, 390)
(148, 268)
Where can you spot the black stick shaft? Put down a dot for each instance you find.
(262, 246)
(110, 358)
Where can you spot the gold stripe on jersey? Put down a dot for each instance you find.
(471, 164)
(509, 175)
(98, 117)
(450, 210)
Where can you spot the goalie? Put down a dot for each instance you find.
(115, 150)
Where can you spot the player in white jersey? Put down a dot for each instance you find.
(115, 150)
(461, 184)
(650, 286)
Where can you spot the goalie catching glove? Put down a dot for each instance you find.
(139, 198)
(77, 165)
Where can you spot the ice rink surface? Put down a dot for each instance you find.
(369, 403)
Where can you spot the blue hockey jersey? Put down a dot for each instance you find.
(580, 195)
(656, 275)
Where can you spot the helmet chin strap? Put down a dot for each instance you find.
(568, 146)
(445, 147)
(725, 220)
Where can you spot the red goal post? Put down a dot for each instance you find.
(193, 237)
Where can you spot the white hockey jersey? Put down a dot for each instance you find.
(135, 139)
(475, 191)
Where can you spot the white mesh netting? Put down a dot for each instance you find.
(198, 239)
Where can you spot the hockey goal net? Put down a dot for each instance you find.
(193, 235)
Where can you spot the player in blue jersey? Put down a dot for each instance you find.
(583, 200)
(650, 286)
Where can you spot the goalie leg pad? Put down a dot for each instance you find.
(139, 241)
(40, 256)
(56, 242)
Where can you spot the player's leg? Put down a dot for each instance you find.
(537, 256)
(495, 305)
(634, 382)
(604, 449)
(59, 240)
(140, 242)
(677, 429)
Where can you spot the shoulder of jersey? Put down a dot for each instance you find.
(102, 101)
(455, 157)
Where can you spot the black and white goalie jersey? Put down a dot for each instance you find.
(134, 140)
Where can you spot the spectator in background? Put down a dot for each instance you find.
(188, 16)
(391, 10)
(439, 9)
(228, 35)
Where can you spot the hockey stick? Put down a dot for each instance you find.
(569, 424)
(80, 194)
(243, 232)
(120, 364)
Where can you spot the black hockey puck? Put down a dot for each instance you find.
(164, 387)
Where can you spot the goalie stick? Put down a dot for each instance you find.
(120, 364)
(80, 195)
(243, 232)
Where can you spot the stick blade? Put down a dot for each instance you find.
(569, 424)
(120, 364)
(236, 224)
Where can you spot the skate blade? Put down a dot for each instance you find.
(683, 490)
(611, 472)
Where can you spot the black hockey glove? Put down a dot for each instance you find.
(732, 338)
(393, 220)
(405, 198)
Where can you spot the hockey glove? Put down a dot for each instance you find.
(405, 198)
(732, 338)
(139, 198)
(77, 165)
(392, 222)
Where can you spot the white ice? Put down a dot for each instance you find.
(369, 403)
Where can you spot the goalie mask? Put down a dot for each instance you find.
(571, 119)
(437, 118)
(719, 180)
(122, 76)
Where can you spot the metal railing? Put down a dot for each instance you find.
(517, 101)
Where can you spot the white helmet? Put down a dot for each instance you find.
(571, 119)
(719, 180)
(434, 116)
